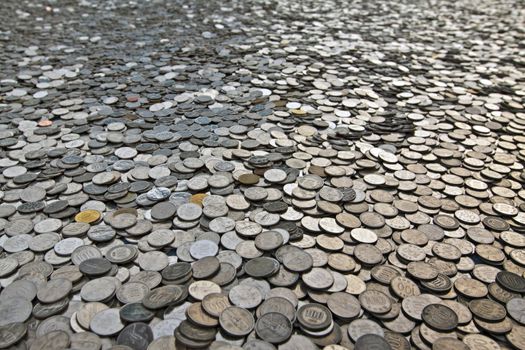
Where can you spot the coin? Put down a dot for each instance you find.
(106, 322)
(11, 333)
(236, 321)
(136, 335)
(368, 341)
(314, 316)
(439, 317)
(273, 327)
(88, 216)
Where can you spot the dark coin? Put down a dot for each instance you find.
(439, 317)
(274, 328)
(136, 335)
(511, 281)
(135, 312)
(372, 341)
(11, 334)
(95, 266)
(487, 310)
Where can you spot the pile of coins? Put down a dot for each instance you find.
(261, 175)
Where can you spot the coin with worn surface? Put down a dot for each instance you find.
(517, 336)
(215, 303)
(57, 339)
(372, 341)
(511, 281)
(106, 322)
(445, 343)
(375, 302)
(361, 327)
(11, 334)
(439, 317)
(245, 296)
(314, 316)
(135, 312)
(278, 304)
(15, 309)
(236, 321)
(162, 296)
(137, 335)
(273, 327)
(344, 305)
(200, 289)
(54, 290)
(478, 341)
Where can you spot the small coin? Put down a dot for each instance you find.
(88, 216)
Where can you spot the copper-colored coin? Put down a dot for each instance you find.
(249, 179)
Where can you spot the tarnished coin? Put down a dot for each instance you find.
(314, 317)
(362, 327)
(511, 281)
(278, 304)
(54, 290)
(375, 302)
(445, 343)
(273, 327)
(136, 335)
(215, 303)
(372, 341)
(14, 310)
(487, 310)
(162, 296)
(439, 317)
(11, 334)
(516, 309)
(344, 305)
(236, 321)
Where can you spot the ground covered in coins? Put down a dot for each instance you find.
(260, 175)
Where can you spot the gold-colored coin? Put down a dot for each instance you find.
(198, 198)
(88, 216)
(298, 112)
